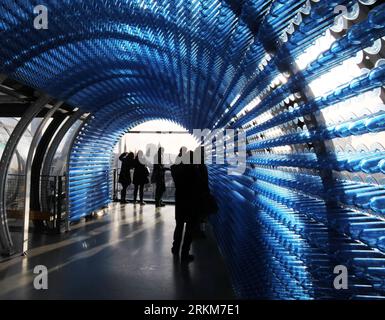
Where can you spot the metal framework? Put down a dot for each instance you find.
(30, 114)
(28, 168)
(58, 138)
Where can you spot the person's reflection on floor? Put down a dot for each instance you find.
(157, 213)
(182, 275)
(138, 216)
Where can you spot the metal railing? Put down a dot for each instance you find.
(149, 189)
(52, 213)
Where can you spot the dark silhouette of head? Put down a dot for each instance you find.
(140, 157)
(183, 156)
(182, 152)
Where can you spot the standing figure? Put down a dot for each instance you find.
(158, 177)
(183, 175)
(141, 174)
(127, 160)
(201, 189)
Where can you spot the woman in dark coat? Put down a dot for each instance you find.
(127, 160)
(140, 178)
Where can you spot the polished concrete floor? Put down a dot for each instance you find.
(124, 254)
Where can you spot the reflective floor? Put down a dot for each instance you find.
(124, 254)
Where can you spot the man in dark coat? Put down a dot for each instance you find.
(158, 177)
(140, 178)
(127, 160)
(183, 175)
(201, 189)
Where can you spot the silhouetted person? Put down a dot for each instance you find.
(140, 177)
(201, 188)
(158, 177)
(201, 171)
(183, 175)
(127, 160)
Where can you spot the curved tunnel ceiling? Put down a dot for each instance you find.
(189, 59)
(182, 57)
(126, 62)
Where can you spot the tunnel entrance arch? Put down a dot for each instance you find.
(149, 137)
(92, 159)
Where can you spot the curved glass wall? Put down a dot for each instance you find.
(15, 187)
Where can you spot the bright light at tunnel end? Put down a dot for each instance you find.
(225, 147)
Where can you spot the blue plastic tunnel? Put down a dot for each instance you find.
(303, 79)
